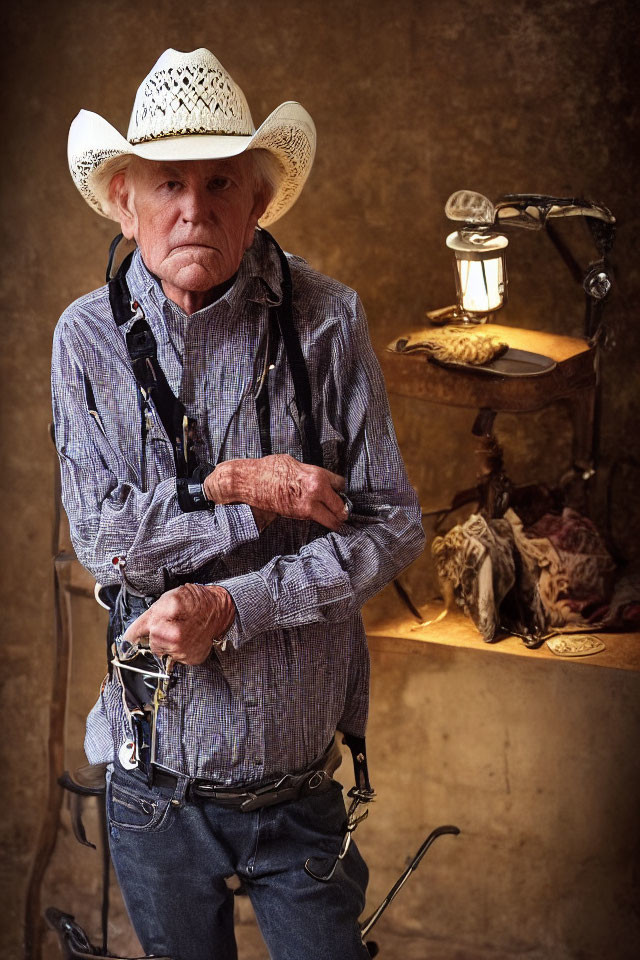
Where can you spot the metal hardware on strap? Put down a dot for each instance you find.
(358, 748)
(361, 794)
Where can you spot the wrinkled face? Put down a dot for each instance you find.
(192, 219)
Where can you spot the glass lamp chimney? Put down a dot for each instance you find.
(480, 271)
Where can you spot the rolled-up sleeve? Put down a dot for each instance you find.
(110, 514)
(330, 578)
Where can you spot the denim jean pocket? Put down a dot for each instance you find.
(130, 808)
(325, 812)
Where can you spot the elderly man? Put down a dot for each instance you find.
(232, 480)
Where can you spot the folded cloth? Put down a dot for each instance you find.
(576, 569)
(554, 576)
(454, 345)
(480, 566)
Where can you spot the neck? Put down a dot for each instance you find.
(190, 301)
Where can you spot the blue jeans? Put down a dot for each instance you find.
(172, 857)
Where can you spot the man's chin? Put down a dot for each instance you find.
(201, 271)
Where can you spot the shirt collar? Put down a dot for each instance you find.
(259, 280)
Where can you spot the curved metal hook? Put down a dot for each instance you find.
(352, 823)
(375, 916)
(324, 878)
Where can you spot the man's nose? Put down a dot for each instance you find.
(195, 204)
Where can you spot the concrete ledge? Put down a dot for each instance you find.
(391, 627)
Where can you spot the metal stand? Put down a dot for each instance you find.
(368, 925)
(494, 487)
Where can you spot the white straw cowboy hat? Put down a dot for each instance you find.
(189, 108)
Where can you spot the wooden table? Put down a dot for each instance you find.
(573, 380)
(413, 375)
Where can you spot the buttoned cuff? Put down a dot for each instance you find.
(239, 516)
(227, 527)
(255, 608)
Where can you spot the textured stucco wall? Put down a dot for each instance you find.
(412, 100)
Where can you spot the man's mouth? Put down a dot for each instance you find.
(189, 246)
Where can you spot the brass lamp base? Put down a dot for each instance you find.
(454, 314)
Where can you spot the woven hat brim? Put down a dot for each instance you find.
(95, 146)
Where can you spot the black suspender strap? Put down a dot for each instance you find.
(263, 408)
(358, 748)
(119, 296)
(153, 384)
(151, 379)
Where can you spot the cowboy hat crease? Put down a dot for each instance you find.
(189, 108)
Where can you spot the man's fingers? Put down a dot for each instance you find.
(321, 514)
(139, 629)
(336, 481)
(336, 505)
(326, 497)
(161, 646)
(167, 609)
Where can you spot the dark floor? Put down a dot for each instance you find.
(393, 945)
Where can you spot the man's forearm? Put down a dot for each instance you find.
(152, 534)
(330, 578)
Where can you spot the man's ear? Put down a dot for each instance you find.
(121, 196)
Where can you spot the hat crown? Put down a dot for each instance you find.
(188, 93)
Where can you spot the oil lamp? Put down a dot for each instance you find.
(480, 272)
(479, 250)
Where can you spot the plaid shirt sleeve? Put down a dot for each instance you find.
(331, 578)
(110, 513)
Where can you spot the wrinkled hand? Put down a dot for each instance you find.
(184, 622)
(282, 485)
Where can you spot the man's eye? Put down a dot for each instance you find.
(172, 184)
(219, 183)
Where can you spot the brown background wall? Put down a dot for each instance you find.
(412, 100)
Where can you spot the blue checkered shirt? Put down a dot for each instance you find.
(295, 664)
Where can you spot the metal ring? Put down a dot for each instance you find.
(319, 774)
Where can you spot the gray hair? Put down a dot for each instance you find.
(267, 172)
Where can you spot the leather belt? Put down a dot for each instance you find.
(317, 779)
(287, 788)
